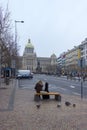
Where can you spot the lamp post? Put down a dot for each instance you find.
(16, 31)
(81, 66)
(16, 21)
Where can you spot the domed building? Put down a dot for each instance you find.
(37, 64)
(29, 57)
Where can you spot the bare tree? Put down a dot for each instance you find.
(7, 43)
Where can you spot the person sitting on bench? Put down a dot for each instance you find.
(46, 90)
(38, 87)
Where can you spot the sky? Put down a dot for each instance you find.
(54, 26)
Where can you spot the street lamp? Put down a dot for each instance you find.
(16, 31)
(16, 21)
(81, 66)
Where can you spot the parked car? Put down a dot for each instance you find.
(24, 74)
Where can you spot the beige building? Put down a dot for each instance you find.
(38, 64)
(71, 60)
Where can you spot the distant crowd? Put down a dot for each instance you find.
(79, 75)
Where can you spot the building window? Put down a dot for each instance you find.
(29, 50)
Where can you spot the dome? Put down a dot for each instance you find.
(29, 44)
(53, 56)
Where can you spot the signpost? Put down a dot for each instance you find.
(81, 64)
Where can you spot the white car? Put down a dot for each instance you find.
(24, 74)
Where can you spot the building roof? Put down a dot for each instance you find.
(29, 44)
(53, 56)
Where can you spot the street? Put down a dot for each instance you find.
(56, 84)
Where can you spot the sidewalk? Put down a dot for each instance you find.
(18, 111)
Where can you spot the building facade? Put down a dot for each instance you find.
(71, 60)
(61, 63)
(74, 60)
(38, 64)
(83, 46)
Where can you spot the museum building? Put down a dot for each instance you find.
(30, 61)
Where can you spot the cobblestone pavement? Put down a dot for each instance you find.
(18, 111)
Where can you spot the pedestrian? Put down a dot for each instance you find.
(46, 90)
(39, 86)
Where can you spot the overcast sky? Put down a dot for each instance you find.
(54, 26)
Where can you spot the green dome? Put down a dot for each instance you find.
(53, 56)
(29, 44)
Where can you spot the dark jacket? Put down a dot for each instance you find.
(46, 90)
(38, 87)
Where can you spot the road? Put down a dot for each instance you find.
(57, 84)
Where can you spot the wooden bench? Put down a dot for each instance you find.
(56, 95)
